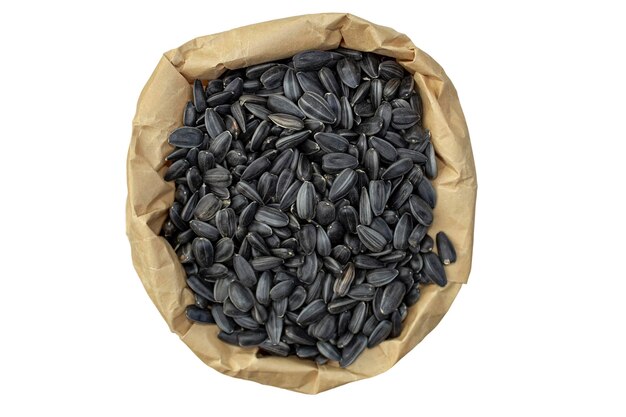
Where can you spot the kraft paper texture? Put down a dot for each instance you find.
(159, 111)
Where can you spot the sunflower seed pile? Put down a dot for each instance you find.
(303, 201)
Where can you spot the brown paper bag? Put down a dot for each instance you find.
(159, 111)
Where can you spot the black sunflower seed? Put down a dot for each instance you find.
(200, 287)
(186, 137)
(370, 126)
(203, 251)
(314, 106)
(341, 254)
(214, 123)
(339, 305)
(371, 162)
(312, 312)
(365, 208)
(329, 351)
(392, 297)
(178, 154)
(331, 142)
(273, 76)
(280, 349)
(380, 333)
(397, 169)
(251, 337)
(358, 318)
(329, 81)
(240, 296)
(431, 164)
(346, 116)
(207, 207)
(199, 315)
(274, 327)
(342, 184)
(427, 192)
(325, 212)
(307, 271)
(342, 285)
(283, 105)
(190, 115)
(380, 277)
(177, 170)
(265, 263)
(271, 216)
(402, 231)
(218, 177)
(334, 163)
(310, 82)
(404, 118)
(371, 238)
(256, 168)
(298, 335)
(362, 292)
(287, 121)
(224, 250)
(426, 245)
(258, 110)
(325, 329)
(349, 218)
(369, 65)
(248, 191)
(220, 146)
(400, 195)
(257, 243)
(224, 322)
(282, 289)
(433, 269)
(291, 86)
(420, 209)
(297, 298)
(349, 72)
(416, 236)
(406, 87)
(305, 201)
(292, 141)
(226, 222)
(333, 266)
(385, 150)
(322, 245)
(244, 271)
(445, 249)
(263, 288)
(353, 350)
(390, 69)
(311, 60)
(307, 238)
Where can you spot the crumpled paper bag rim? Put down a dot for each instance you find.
(157, 114)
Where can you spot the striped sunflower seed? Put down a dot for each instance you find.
(392, 297)
(370, 238)
(271, 216)
(342, 184)
(244, 271)
(266, 263)
(380, 333)
(315, 107)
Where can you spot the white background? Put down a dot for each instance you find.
(539, 328)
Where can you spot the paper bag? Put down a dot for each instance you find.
(159, 111)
